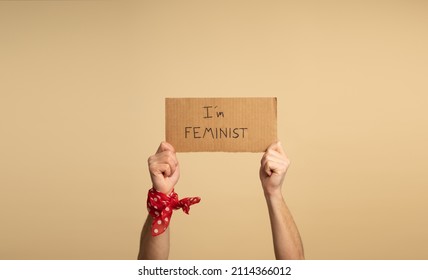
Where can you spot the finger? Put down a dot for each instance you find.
(167, 156)
(280, 149)
(165, 146)
(265, 168)
(277, 146)
(265, 165)
(268, 157)
(273, 156)
(161, 158)
(272, 167)
(160, 169)
(171, 160)
(272, 160)
(279, 152)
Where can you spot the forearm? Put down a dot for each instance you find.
(286, 237)
(153, 247)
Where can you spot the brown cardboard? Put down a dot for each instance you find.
(221, 124)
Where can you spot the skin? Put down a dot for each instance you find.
(286, 238)
(165, 172)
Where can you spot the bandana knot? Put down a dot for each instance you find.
(160, 207)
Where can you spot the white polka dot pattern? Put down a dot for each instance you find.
(160, 205)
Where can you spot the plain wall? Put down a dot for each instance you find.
(82, 89)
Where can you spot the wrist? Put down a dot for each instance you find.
(274, 201)
(273, 195)
(160, 207)
(166, 191)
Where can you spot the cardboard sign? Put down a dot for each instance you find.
(220, 124)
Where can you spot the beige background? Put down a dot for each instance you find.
(82, 94)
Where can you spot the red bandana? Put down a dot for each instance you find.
(160, 207)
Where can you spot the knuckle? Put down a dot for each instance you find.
(167, 168)
(168, 153)
(152, 168)
(150, 160)
(171, 161)
(263, 161)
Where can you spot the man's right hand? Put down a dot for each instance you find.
(164, 168)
